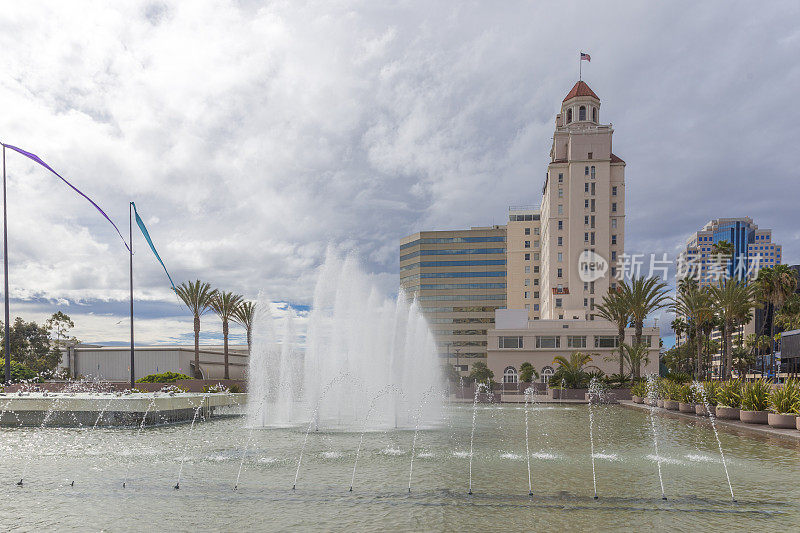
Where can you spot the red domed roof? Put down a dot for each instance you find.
(580, 89)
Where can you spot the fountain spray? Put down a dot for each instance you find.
(652, 395)
(702, 391)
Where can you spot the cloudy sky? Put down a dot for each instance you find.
(253, 135)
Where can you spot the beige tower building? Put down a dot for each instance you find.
(583, 207)
(531, 269)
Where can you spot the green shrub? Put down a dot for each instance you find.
(235, 389)
(687, 393)
(755, 395)
(730, 394)
(639, 389)
(19, 372)
(164, 377)
(786, 398)
(711, 389)
(678, 377)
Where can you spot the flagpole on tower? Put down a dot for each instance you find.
(580, 65)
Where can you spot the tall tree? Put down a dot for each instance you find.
(643, 296)
(615, 309)
(775, 284)
(694, 304)
(244, 315)
(733, 301)
(197, 296)
(225, 305)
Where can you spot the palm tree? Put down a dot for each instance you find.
(573, 370)
(643, 296)
(197, 297)
(694, 304)
(225, 304)
(679, 326)
(775, 285)
(615, 309)
(733, 301)
(244, 316)
(636, 355)
(789, 316)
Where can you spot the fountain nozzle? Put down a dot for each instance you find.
(351, 489)
(294, 486)
(663, 497)
(177, 486)
(595, 496)
(19, 483)
(72, 484)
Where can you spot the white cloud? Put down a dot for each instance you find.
(252, 135)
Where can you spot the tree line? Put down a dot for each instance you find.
(200, 298)
(36, 349)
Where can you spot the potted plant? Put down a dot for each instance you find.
(671, 395)
(710, 389)
(784, 403)
(755, 402)
(729, 400)
(639, 392)
(687, 401)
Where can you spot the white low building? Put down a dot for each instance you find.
(516, 340)
(113, 363)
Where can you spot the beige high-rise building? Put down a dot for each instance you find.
(459, 279)
(583, 207)
(538, 268)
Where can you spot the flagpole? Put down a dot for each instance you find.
(580, 67)
(5, 270)
(130, 228)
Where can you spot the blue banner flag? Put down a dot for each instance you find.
(146, 234)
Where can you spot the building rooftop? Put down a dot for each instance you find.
(580, 89)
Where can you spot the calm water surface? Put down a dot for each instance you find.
(765, 476)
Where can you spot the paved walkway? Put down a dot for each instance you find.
(732, 426)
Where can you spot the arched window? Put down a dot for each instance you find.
(569, 116)
(510, 375)
(546, 373)
(594, 114)
(582, 112)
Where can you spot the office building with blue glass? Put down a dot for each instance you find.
(458, 278)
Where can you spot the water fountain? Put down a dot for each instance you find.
(595, 392)
(702, 391)
(351, 329)
(652, 394)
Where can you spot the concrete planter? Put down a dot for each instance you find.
(797, 422)
(754, 417)
(659, 403)
(649, 401)
(686, 407)
(568, 394)
(637, 399)
(782, 421)
(728, 413)
(700, 409)
(671, 405)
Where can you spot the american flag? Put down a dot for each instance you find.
(586, 57)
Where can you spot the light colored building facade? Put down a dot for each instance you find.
(753, 249)
(582, 210)
(583, 207)
(112, 363)
(517, 339)
(458, 279)
(524, 253)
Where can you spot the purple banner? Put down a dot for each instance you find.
(36, 158)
